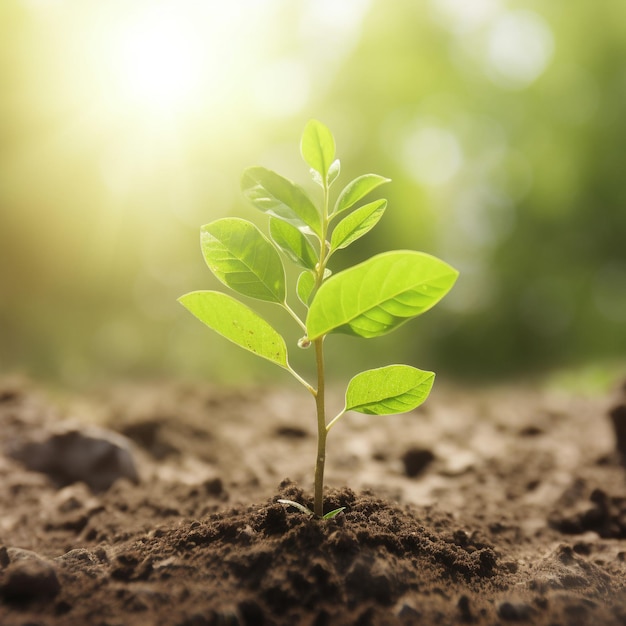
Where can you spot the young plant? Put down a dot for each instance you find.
(368, 300)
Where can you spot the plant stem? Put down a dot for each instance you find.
(294, 315)
(301, 380)
(318, 508)
(332, 421)
(320, 400)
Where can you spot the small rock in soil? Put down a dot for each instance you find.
(291, 432)
(148, 435)
(366, 579)
(29, 579)
(564, 569)
(464, 609)
(515, 611)
(94, 456)
(416, 460)
(408, 612)
(4, 557)
(603, 514)
(618, 421)
(213, 486)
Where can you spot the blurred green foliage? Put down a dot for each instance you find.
(124, 126)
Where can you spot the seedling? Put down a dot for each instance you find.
(368, 300)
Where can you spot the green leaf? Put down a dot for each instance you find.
(380, 294)
(296, 505)
(333, 513)
(333, 171)
(318, 147)
(239, 324)
(357, 190)
(277, 196)
(388, 390)
(293, 243)
(242, 257)
(357, 224)
(304, 287)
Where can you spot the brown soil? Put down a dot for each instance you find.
(479, 508)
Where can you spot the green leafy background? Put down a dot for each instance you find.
(501, 125)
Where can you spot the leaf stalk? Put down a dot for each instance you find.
(335, 419)
(294, 315)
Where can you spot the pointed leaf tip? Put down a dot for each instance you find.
(357, 224)
(357, 190)
(318, 148)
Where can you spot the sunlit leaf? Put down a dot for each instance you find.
(305, 286)
(277, 196)
(318, 147)
(317, 177)
(357, 224)
(242, 257)
(239, 324)
(293, 243)
(380, 294)
(333, 171)
(388, 390)
(357, 190)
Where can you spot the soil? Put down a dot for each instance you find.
(156, 504)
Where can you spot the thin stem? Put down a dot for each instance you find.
(327, 257)
(320, 403)
(301, 380)
(335, 419)
(294, 315)
(321, 429)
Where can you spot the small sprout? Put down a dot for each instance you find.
(368, 300)
(333, 513)
(296, 505)
(304, 343)
(307, 511)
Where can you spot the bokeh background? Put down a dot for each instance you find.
(126, 124)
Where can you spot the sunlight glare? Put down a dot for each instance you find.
(462, 16)
(520, 47)
(432, 154)
(281, 88)
(157, 63)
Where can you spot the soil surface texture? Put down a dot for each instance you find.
(157, 504)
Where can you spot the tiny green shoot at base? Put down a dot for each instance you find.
(368, 300)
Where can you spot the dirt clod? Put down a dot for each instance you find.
(29, 580)
(416, 460)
